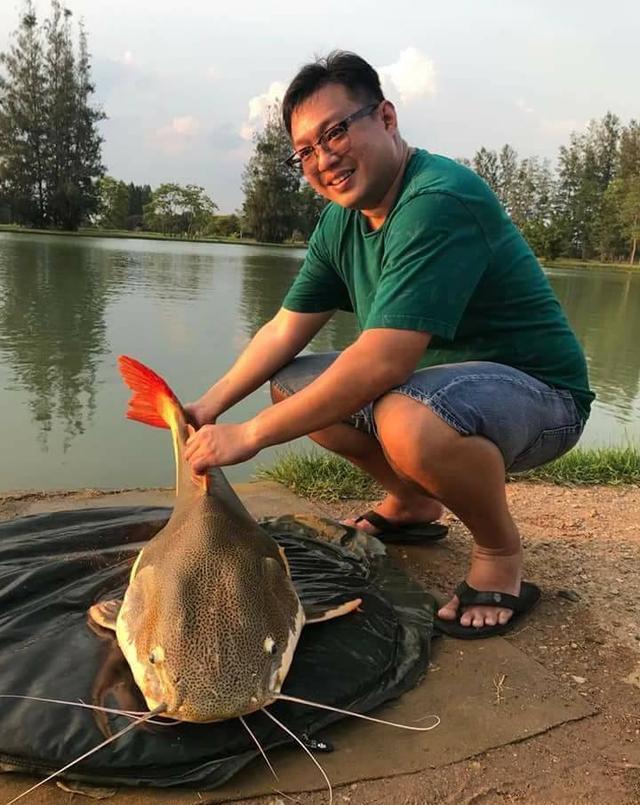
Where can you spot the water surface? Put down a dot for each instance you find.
(69, 306)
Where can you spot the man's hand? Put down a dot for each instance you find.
(219, 446)
(197, 414)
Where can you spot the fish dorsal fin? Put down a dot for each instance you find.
(316, 613)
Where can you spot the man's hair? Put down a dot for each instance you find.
(339, 67)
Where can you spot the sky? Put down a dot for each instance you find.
(185, 85)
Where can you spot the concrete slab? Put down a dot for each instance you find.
(486, 693)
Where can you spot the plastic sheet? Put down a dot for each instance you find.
(54, 566)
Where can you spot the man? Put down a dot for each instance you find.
(465, 366)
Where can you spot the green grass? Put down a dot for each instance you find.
(320, 476)
(139, 235)
(568, 262)
(324, 477)
(596, 465)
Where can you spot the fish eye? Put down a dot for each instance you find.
(152, 658)
(270, 646)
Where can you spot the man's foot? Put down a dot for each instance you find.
(418, 509)
(490, 571)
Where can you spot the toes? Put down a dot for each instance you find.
(478, 617)
(450, 610)
(504, 615)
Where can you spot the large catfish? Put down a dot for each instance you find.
(210, 620)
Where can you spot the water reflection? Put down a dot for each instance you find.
(604, 309)
(265, 282)
(69, 306)
(52, 329)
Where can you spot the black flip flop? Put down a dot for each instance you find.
(410, 533)
(469, 596)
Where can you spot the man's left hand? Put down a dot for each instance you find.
(219, 446)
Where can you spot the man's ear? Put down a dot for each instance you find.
(389, 116)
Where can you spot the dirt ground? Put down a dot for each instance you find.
(582, 546)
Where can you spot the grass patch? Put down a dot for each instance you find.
(325, 477)
(596, 465)
(320, 476)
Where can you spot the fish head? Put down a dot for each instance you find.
(212, 643)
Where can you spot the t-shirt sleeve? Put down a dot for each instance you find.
(435, 255)
(317, 286)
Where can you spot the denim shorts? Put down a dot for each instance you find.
(530, 422)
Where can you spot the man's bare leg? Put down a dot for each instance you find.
(466, 473)
(405, 502)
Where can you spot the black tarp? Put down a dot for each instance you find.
(54, 566)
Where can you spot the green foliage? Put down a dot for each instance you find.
(224, 226)
(326, 477)
(50, 150)
(179, 210)
(600, 465)
(113, 207)
(320, 476)
(278, 206)
(589, 208)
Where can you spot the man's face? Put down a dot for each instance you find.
(359, 178)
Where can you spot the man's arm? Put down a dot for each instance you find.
(379, 360)
(271, 348)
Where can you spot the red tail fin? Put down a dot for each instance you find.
(150, 393)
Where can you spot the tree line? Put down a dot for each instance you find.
(51, 171)
(589, 207)
(50, 148)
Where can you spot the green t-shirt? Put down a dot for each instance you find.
(447, 261)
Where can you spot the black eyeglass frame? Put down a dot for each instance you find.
(297, 162)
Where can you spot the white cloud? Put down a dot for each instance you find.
(412, 76)
(258, 107)
(523, 107)
(186, 126)
(174, 137)
(126, 58)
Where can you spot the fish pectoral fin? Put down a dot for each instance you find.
(316, 613)
(105, 613)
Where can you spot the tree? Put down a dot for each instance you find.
(310, 205)
(485, 164)
(271, 188)
(113, 206)
(139, 196)
(49, 145)
(630, 212)
(174, 209)
(22, 133)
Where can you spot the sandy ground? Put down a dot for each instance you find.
(583, 548)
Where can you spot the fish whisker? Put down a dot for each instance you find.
(257, 743)
(156, 711)
(128, 713)
(299, 742)
(283, 697)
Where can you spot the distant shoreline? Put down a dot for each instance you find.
(125, 234)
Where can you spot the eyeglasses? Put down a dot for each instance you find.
(334, 140)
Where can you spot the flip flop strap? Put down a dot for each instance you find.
(376, 520)
(469, 596)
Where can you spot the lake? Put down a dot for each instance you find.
(69, 306)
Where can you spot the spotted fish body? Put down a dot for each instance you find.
(210, 620)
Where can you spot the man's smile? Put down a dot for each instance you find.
(339, 178)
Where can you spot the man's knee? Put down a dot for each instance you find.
(412, 436)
